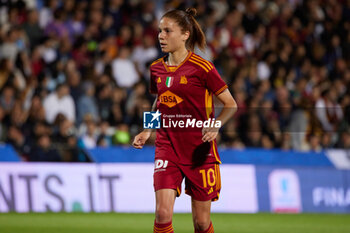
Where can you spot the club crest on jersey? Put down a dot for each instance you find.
(183, 79)
(169, 81)
(170, 99)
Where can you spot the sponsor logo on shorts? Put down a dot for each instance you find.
(160, 165)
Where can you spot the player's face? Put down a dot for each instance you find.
(170, 36)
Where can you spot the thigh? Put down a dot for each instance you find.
(167, 175)
(203, 183)
(165, 198)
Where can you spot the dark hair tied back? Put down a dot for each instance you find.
(191, 11)
(187, 22)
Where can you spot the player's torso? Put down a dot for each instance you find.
(181, 90)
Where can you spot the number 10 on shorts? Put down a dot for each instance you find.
(208, 177)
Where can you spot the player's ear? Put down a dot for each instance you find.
(185, 35)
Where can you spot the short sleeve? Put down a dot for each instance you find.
(153, 83)
(214, 82)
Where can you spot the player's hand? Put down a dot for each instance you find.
(209, 134)
(141, 139)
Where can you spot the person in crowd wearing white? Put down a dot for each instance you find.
(46, 13)
(8, 48)
(328, 111)
(59, 101)
(145, 53)
(89, 138)
(124, 70)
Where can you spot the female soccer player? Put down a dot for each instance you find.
(185, 84)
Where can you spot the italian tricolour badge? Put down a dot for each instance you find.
(169, 81)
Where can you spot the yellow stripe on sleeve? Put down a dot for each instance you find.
(202, 62)
(220, 90)
(198, 57)
(199, 64)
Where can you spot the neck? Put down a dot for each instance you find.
(175, 58)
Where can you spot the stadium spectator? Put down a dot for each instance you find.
(46, 13)
(89, 139)
(59, 101)
(87, 103)
(9, 49)
(315, 143)
(75, 24)
(344, 142)
(36, 62)
(18, 140)
(49, 54)
(144, 53)
(328, 110)
(105, 137)
(104, 100)
(56, 28)
(43, 151)
(123, 67)
(80, 54)
(32, 29)
(134, 102)
(7, 99)
(75, 85)
(114, 9)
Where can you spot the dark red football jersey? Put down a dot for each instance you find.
(185, 94)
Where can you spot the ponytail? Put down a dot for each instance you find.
(187, 22)
(197, 36)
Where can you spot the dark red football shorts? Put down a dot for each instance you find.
(202, 183)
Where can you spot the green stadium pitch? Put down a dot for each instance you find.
(143, 223)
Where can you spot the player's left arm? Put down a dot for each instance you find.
(229, 108)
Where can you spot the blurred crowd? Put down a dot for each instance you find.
(74, 73)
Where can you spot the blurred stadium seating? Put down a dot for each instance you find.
(74, 74)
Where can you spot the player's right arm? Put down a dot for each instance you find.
(141, 138)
